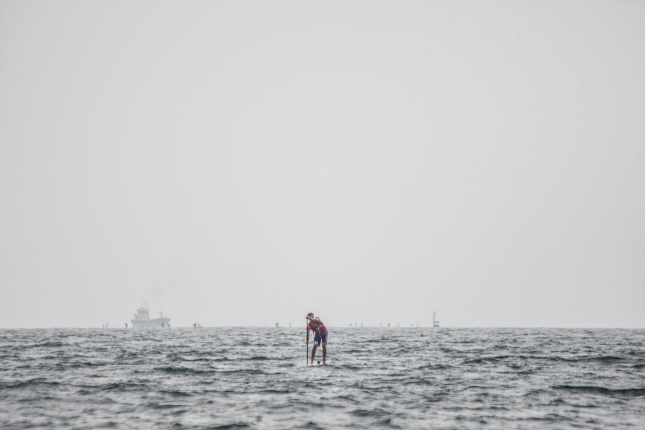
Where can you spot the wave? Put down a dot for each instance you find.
(628, 392)
(608, 359)
(348, 398)
(198, 358)
(387, 423)
(81, 364)
(348, 366)
(175, 393)
(242, 371)
(47, 344)
(310, 425)
(196, 380)
(229, 426)
(417, 381)
(112, 386)
(178, 369)
(376, 412)
(435, 367)
(27, 383)
(274, 391)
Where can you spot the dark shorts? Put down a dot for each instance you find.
(321, 338)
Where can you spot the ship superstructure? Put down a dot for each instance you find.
(142, 319)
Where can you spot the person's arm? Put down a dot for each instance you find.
(316, 327)
(318, 324)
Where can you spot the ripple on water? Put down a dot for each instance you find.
(377, 378)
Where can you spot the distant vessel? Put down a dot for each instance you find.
(435, 323)
(142, 320)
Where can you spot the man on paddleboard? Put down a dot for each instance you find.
(320, 336)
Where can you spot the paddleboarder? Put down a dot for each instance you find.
(320, 336)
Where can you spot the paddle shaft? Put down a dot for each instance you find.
(307, 334)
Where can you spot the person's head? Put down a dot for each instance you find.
(310, 315)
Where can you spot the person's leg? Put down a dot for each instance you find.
(313, 352)
(323, 338)
(317, 340)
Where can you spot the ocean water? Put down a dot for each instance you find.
(407, 378)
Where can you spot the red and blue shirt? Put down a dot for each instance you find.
(317, 326)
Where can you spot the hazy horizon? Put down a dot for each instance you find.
(244, 163)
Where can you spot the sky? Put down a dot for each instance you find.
(241, 163)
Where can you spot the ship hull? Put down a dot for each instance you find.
(152, 323)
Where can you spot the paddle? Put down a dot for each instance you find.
(307, 333)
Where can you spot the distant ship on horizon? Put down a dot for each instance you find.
(142, 319)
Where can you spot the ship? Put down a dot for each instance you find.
(435, 323)
(142, 320)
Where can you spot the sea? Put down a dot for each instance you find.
(376, 378)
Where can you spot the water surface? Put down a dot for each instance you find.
(412, 378)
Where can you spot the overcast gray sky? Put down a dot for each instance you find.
(242, 163)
